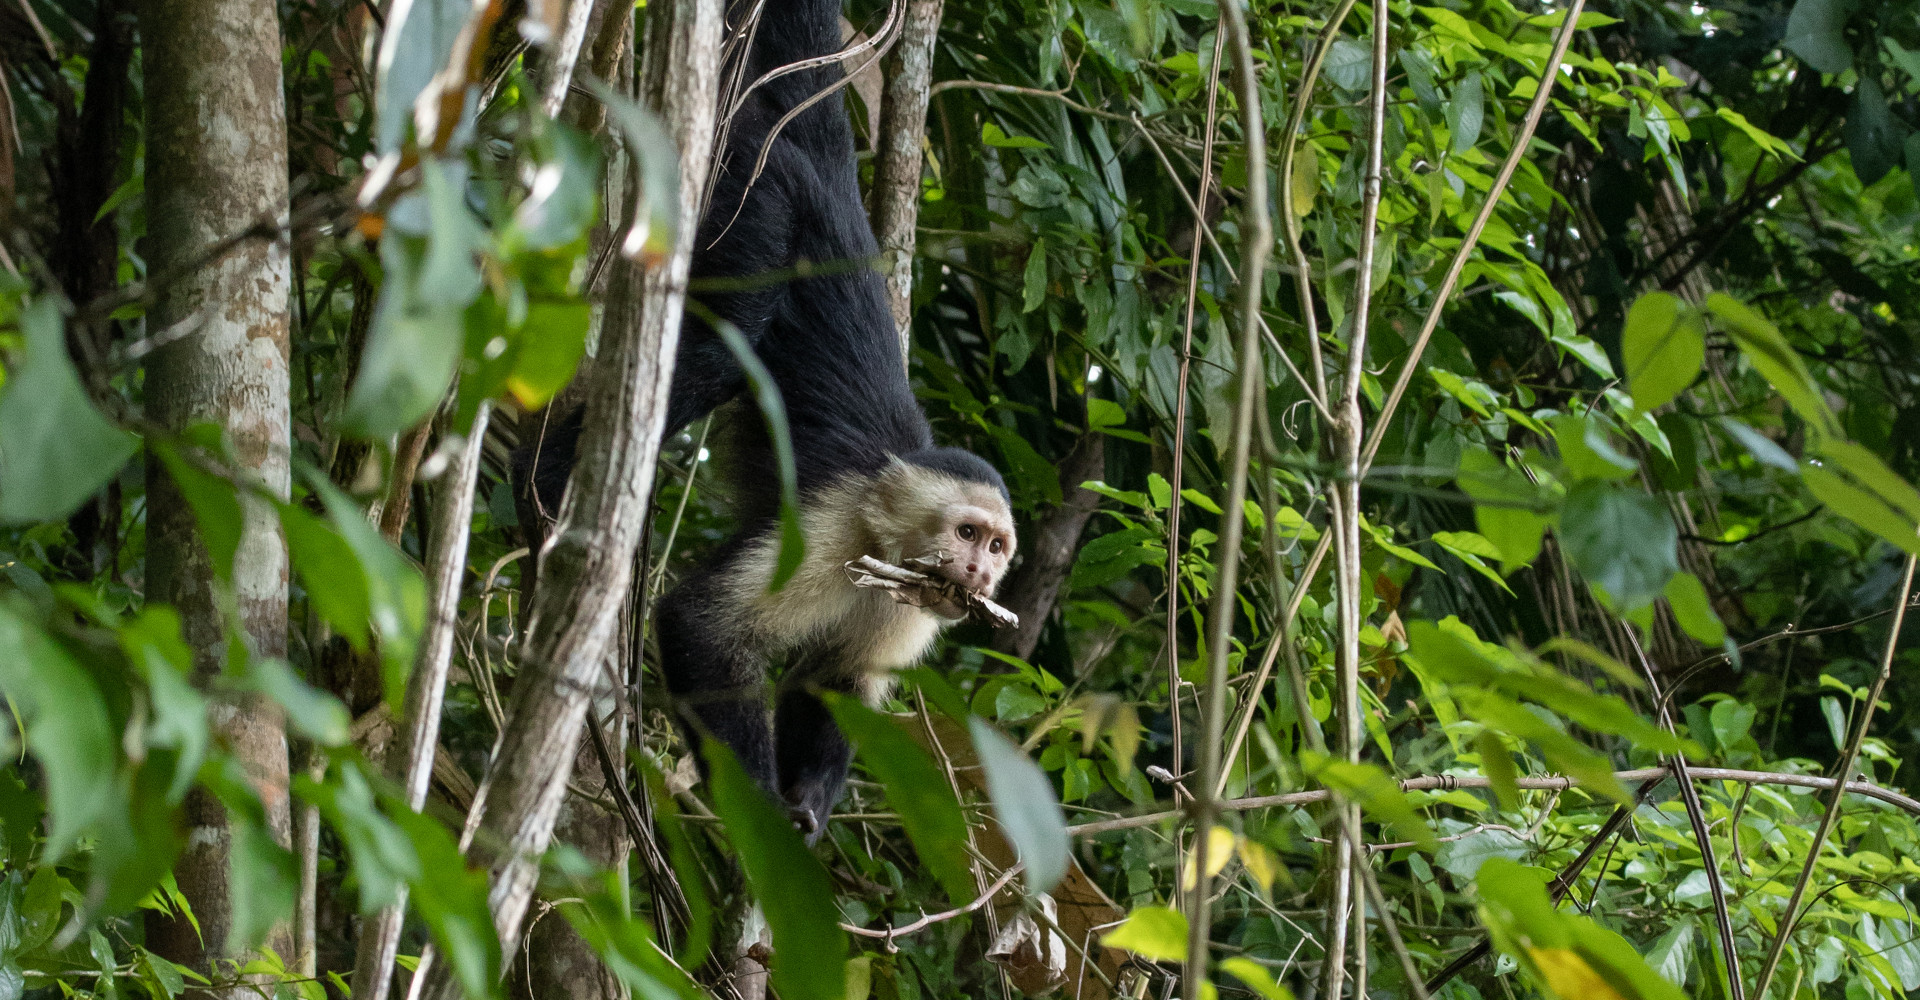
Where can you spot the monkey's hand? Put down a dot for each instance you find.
(940, 596)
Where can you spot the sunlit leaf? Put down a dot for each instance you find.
(1152, 932)
(1664, 347)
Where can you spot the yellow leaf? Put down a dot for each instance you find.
(1569, 977)
(1219, 850)
(1260, 862)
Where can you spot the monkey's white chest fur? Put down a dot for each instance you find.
(868, 633)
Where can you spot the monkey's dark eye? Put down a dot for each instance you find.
(967, 532)
(997, 546)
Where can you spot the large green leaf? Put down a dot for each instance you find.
(1664, 348)
(1774, 359)
(1501, 497)
(1025, 805)
(67, 727)
(1620, 540)
(56, 450)
(918, 790)
(1375, 791)
(1816, 32)
(809, 948)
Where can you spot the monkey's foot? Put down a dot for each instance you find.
(810, 824)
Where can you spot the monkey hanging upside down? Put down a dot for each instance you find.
(872, 483)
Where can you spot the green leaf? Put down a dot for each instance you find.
(1664, 348)
(1568, 955)
(153, 646)
(383, 857)
(1776, 361)
(992, 135)
(1025, 805)
(918, 790)
(1692, 609)
(1375, 791)
(793, 889)
(1760, 446)
(773, 409)
(656, 217)
(686, 864)
(215, 503)
(451, 897)
(67, 728)
(1465, 114)
(1103, 413)
(1586, 451)
(626, 944)
(1495, 488)
(1256, 977)
(1590, 353)
(1497, 764)
(1816, 32)
(1731, 721)
(412, 348)
(311, 712)
(551, 343)
(57, 449)
(1622, 541)
(1034, 282)
(1152, 932)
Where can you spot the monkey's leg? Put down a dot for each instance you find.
(717, 677)
(813, 754)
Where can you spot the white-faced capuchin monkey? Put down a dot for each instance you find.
(871, 480)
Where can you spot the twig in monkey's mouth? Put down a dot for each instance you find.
(910, 586)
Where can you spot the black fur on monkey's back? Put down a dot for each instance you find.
(828, 340)
(829, 343)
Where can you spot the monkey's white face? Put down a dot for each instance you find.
(979, 537)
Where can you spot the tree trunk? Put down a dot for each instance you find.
(1051, 545)
(585, 572)
(903, 131)
(217, 163)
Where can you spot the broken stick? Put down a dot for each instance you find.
(921, 590)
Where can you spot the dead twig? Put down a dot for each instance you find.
(928, 919)
(915, 588)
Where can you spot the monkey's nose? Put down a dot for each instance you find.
(973, 569)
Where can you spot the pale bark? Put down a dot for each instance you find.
(558, 961)
(411, 756)
(217, 164)
(586, 569)
(903, 132)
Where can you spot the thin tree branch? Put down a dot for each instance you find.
(1697, 818)
(1521, 141)
(1256, 249)
(929, 919)
(1345, 509)
(1180, 403)
(411, 756)
(896, 183)
(1848, 758)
